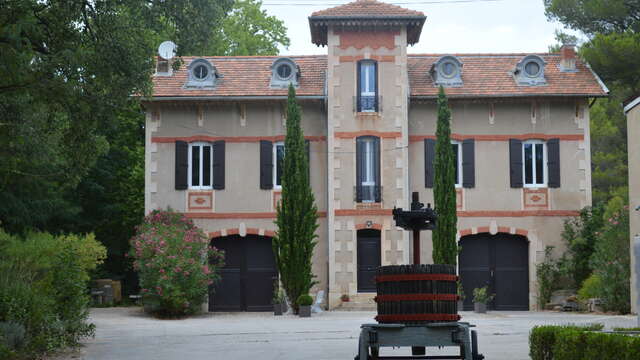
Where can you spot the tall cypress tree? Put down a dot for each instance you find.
(445, 249)
(297, 214)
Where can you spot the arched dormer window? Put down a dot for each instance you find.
(284, 71)
(447, 71)
(201, 74)
(530, 71)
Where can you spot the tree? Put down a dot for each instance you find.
(297, 217)
(445, 250)
(248, 30)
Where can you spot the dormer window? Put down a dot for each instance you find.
(202, 74)
(530, 71)
(284, 71)
(447, 71)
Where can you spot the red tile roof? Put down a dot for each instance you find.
(483, 75)
(367, 8)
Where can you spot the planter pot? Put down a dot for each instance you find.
(480, 307)
(277, 309)
(305, 311)
(460, 305)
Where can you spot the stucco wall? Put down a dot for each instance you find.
(633, 134)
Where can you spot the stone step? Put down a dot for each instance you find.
(357, 306)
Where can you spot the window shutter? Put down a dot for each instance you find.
(515, 160)
(359, 88)
(182, 165)
(376, 169)
(359, 168)
(468, 163)
(266, 164)
(429, 155)
(375, 77)
(218, 164)
(553, 162)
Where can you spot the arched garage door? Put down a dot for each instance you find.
(500, 261)
(247, 277)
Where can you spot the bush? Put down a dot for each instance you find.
(43, 289)
(590, 288)
(12, 334)
(480, 295)
(304, 300)
(169, 252)
(548, 275)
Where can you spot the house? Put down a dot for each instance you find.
(520, 125)
(632, 110)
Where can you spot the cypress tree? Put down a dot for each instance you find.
(445, 249)
(297, 213)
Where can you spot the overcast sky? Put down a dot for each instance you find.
(475, 26)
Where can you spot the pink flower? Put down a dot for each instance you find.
(186, 273)
(161, 271)
(205, 269)
(178, 269)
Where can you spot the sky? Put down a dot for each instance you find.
(452, 26)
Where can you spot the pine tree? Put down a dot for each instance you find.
(297, 217)
(445, 249)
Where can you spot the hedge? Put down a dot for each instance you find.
(572, 342)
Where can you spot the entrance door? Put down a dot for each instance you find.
(368, 259)
(247, 278)
(500, 262)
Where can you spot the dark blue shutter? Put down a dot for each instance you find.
(359, 88)
(218, 164)
(359, 168)
(553, 162)
(429, 155)
(515, 162)
(468, 163)
(375, 78)
(376, 169)
(182, 165)
(266, 164)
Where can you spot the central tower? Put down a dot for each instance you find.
(367, 138)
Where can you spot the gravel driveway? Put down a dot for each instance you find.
(126, 333)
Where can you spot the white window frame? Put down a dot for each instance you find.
(371, 67)
(459, 164)
(190, 172)
(275, 164)
(545, 178)
(369, 176)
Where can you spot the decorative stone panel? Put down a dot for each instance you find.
(200, 201)
(535, 199)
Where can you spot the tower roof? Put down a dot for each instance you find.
(366, 13)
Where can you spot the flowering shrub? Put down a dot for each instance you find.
(171, 255)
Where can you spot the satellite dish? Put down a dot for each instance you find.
(167, 50)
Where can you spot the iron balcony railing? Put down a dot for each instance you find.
(367, 103)
(367, 193)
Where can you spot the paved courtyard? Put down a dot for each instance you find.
(126, 333)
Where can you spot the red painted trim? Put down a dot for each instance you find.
(416, 297)
(485, 229)
(465, 232)
(359, 212)
(231, 139)
(518, 213)
(504, 229)
(245, 215)
(269, 233)
(355, 134)
(496, 137)
(417, 317)
(364, 226)
(416, 277)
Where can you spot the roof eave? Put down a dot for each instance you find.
(496, 96)
(318, 25)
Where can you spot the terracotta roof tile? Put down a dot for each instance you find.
(367, 8)
(483, 75)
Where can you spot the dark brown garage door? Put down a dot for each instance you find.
(247, 277)
(500, 261)
(368, 259)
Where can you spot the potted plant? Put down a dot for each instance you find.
(344, 298)
(480, 299)
(304, 305)
(461, 296)
(279, 303)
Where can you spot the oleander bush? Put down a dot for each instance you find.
(175, 263)
(571, 342)
(43, 291)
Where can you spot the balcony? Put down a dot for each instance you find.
(367, 103)
(367, 193)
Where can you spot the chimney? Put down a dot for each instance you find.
(568, 57)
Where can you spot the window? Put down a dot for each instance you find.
(200, 157)
(534, 160)
(530, 71)
(368, 169)
(278, 164)
(201, 74)
(367, 87)
(284, 71)
(457, 161)
(532, 68)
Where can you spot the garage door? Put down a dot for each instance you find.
(247, 278)
(499, 261)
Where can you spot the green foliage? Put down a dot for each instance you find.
(43, 282)
(590, 288)
(279, 296)
(548, 275)
(611, 259)
(304, 300)
(543, 339)
(445, 249)
(626, 329)
(580, 235)
(460, 290)
(481, 295)
(169, 250)
(12, 334)
(248, 30)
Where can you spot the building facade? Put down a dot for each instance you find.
(632, 110)
(520, 132)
